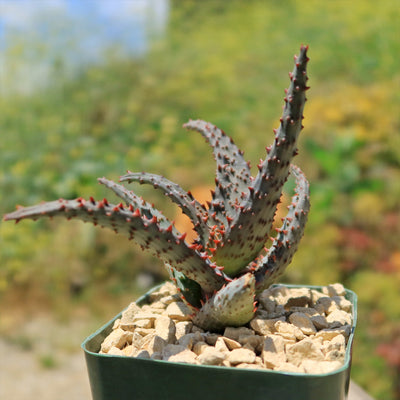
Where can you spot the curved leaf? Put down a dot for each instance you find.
(189, 206)
(161, 242)
(233, 176)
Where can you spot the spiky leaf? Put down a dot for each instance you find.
(164, 243)
(130, 198)
(289, 235)
(233, 175)
(189, 206)
(189, 289)
(250, 229)
(233, 305)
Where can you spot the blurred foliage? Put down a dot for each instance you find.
(227, 64)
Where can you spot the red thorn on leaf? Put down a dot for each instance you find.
(81, 201)
(183, 236)
(136, 213)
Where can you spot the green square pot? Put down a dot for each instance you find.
(126, 378)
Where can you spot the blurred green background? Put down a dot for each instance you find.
(89, 89)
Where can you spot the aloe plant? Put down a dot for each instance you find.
(221, 272)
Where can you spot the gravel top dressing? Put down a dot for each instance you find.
(294, 330)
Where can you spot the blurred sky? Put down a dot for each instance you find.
(74, 31)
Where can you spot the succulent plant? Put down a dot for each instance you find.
(221, 272)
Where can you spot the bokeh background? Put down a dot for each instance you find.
(93, 88)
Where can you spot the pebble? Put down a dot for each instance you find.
(289, 331)
(182, 328)
(336, 289)
(179, 311)
(165, 328)
(305, 349)
(231, 344)
(117, 338)
(303, 322)
(220, 345)
(338, 318)
(273, 353)
(254, 341)
(239, 356)
(211, 356)
(172, 349)
(235, 333)
(320, 367)
(186, 356)
(289, 367)
(199, 347)
(319, 321)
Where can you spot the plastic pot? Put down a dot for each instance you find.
(126, 378)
